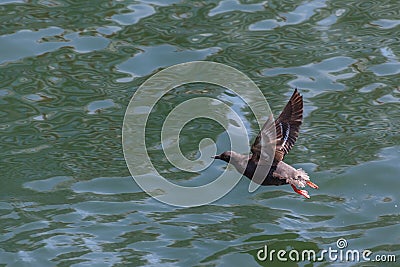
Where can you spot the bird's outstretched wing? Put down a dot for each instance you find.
(287, 127)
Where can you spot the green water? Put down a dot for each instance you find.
(69, 68)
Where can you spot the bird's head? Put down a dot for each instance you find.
(226, 156)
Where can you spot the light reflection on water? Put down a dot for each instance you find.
(68, 70)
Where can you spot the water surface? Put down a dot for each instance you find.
(68, 70)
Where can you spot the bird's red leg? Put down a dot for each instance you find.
(311, 184)
(304, 193)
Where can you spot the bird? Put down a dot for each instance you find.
(255, 166)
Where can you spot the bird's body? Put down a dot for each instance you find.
(256, 167)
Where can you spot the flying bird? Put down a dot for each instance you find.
(256, 167)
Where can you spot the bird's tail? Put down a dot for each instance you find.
(301, 179)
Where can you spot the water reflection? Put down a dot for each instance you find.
(68, 70)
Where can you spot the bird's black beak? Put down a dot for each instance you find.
(217, 157)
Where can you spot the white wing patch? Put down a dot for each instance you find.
(286, 134)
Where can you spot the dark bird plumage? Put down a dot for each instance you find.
(287, 127)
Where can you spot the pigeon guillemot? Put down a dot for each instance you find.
(279, 173)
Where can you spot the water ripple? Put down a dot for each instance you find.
(68, 70)
(234, 5)
(301, 14)
(325, 74)
(167, 55)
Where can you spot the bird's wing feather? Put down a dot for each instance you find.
(287, 127)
